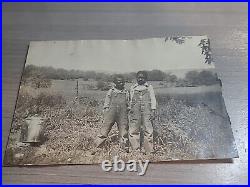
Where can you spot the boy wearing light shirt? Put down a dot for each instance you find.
(116, 111)
(142, 113)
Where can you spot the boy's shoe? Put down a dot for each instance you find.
(97, 150)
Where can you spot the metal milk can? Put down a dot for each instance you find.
(32, 130)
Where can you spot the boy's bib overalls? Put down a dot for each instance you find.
(116, 104)
(139, 118)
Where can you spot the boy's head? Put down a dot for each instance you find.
(141, 77)
(119, 82)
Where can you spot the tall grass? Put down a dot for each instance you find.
(182, 131)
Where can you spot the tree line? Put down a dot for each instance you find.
(41, 76)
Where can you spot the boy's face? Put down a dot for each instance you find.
(141, 79)
(119, 83)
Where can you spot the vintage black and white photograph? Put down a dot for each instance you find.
(84, 101)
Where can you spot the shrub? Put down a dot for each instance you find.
(49, 100)
(101, 85)
(28, 104)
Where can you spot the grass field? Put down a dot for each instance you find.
(191, 123)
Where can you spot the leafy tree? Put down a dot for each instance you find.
(192, 77)
(170, 78)
(201, 78)
(156, 75)
(207, 78)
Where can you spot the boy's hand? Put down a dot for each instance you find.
(105, 110)
(128, 109)
(152, 114)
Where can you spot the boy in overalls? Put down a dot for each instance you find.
(116, 111)
(142, 114)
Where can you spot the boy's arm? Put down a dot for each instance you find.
(152, 97)
(131, 94)
(107, 99)
(128, 97)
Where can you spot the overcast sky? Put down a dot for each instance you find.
(118, 55)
